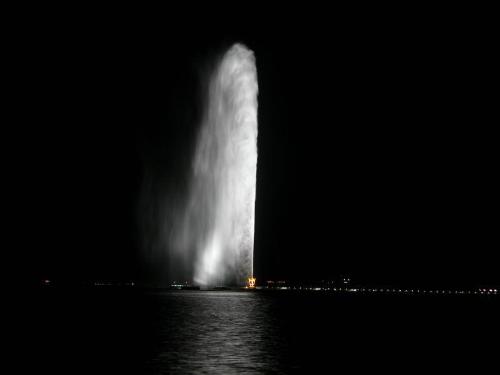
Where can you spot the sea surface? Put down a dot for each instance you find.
(130, 330)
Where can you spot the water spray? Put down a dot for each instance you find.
(219, 219)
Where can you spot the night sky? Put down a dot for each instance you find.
(377, 152)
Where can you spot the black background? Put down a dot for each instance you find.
(377, 150)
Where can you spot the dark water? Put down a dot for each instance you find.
(117, 331)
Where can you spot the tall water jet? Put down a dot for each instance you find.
(218, 222)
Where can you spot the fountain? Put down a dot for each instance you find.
(218, 220)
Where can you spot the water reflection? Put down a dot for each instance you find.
(217, 332)
(140, 332)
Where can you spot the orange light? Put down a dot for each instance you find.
(251, 282)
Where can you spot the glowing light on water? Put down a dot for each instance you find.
(219, 219)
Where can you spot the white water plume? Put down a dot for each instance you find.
(218, 220)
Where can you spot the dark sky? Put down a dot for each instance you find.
(377, 151)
